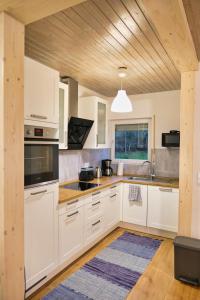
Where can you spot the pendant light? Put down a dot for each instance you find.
(121, 103)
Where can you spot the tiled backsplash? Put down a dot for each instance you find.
(71, 161)
(166, 164)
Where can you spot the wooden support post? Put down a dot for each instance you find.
(11, 158)
(187, 101)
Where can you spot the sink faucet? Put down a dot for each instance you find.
(152, 168)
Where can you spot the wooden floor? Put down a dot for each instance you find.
(157, 282)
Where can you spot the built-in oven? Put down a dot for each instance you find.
(40, 155)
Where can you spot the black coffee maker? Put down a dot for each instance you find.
(106, 167)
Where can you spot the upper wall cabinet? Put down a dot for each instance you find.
(95, 108)
(41, 88)
(63, 116)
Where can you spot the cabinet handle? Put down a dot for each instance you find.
(165, 190)
(112, 187)
(94, 194)
(93, 204)
(113, 195)
(40, 192)
(96, 223)
(38, 117)
(73, 214)
(73, 202)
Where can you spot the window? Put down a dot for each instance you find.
(131, 140)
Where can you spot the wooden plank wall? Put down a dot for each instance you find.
(11, 159)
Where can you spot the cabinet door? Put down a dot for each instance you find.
(63, 116)
(93, 229)
(40, 92)
(70, 233)
(135, 212)
(41, 233)
(163, 208)
(112, 210)
(101, 124)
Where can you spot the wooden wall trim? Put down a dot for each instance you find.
(187, 101)
(29, 11)
(168, 18)
(11, 159)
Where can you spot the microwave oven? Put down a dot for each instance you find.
(171, 139)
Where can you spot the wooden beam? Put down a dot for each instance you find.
(187, 100)
(169, 20)
(11, 158)
(28, 11)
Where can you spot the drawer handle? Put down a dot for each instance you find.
(96, 223)
(94, 194)
(112, 187)
(73, 202)
(165, 190)
(73, 214)
(38, 117)
(40, 192)
(113, 195)
(93, 204)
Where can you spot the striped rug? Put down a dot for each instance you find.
(112, 273)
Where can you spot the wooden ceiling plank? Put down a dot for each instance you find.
(28, 11)
(62, 66)
(140, 51)
(59, 45)
(169, 21)
(130, 22)
(91, 17)
(118, 41)
(146, 28)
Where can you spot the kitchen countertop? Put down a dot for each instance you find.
(69, 194)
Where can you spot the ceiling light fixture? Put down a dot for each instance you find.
(121, 103)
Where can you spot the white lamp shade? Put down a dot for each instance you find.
(121, 103)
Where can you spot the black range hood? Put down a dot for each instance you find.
(78, 130)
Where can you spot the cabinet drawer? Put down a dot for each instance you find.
(93, 208)
(70, 205)
(163, 189)
(93, 228)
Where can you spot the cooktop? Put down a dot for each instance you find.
(80, 186)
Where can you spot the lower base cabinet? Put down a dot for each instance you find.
(163, 204)
(135, 212)
(41, 232)
(111, 209)
(70, 233)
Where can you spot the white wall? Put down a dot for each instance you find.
(165, 106)
(196, 162)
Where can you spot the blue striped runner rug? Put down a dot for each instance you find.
(112, 273)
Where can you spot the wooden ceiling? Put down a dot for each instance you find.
(91, 40)
(192, 9)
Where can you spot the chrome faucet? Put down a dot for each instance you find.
(152, 168)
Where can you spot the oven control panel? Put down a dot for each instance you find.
(37, 132)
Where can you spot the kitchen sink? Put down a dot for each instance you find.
(150, 179)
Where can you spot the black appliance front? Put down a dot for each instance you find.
(40, 164)
(171, 139)
(78, 130)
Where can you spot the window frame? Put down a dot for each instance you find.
(130, 121)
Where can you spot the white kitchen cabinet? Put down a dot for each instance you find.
(95, 108)
(41, 232)
(163, 206)
(63, 115)
(41, 89)
(112, 204)
(135, 212)
(71, 233)
(93, 228)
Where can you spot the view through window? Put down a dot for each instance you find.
(131, 141)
